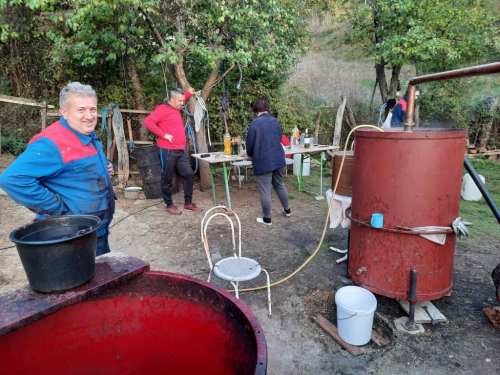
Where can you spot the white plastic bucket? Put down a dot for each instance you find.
(470, 192)
(296, 165)
(355, 310)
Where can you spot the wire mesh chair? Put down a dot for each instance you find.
(236, 268)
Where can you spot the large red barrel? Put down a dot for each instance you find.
(414, 180)
(156, 323)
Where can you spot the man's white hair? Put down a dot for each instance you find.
(75, 88)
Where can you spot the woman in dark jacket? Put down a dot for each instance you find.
(268, 159)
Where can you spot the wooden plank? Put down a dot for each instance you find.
(143, 142)
(111, 155)
(494, 315)
(135, 111)
(420, 314)
(380, 340)
(332, 331)
(58, 114)
(489, 152)
(43, 114)
(16, 100)
(121, 147)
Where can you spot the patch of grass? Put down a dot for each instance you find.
(479, 213)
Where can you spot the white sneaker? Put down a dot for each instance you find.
(287, 214)
(260, 220)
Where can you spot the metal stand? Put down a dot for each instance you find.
(410, 325)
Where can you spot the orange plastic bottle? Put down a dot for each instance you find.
(227, 144)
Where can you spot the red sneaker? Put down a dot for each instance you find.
(173, 210)
(193, 207)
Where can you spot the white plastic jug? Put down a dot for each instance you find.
(470, 192)
(355, 310)
(296, 165)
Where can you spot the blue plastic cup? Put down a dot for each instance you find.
(377, 220)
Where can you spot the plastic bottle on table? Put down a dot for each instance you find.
(227, 144)
(295, 138)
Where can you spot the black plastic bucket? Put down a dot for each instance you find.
(58, 253)
(148, 161)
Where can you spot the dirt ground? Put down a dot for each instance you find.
(468, 344)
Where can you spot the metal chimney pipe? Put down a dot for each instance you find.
(478, 70)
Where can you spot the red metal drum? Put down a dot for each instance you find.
(414, 180)
(156, 323)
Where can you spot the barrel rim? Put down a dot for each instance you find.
(417, 133)
(93, 228)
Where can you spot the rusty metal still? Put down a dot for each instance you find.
(345, 182)
(414, 179)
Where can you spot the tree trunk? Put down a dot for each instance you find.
(492, 106)
(373, 92)
(380, 66)
(382, 81)
(393, 88)
(417, 115)
(316, 130)
(138, 98)
(350, 116)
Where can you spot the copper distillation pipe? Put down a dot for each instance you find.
(478, 70)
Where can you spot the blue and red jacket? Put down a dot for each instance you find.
(62, 172)
(399, 113)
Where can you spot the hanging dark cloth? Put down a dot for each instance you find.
(224, 104)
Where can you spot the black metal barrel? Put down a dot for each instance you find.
(148, 161)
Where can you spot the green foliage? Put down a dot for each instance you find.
(479, 213)
(15, 141)
(400, 31)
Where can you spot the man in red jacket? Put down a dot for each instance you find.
(166, 123)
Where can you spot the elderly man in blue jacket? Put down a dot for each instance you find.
(64, 170)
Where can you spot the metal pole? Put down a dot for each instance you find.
(410, 325)
(482, 188)
(227, 186)
(409, 123)
(213, 183)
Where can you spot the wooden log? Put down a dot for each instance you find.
(332, 331)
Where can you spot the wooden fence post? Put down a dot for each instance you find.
(338, 122)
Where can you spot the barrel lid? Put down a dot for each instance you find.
(341, 153)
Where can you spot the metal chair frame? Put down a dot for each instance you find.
(235, 260)
(238, 164)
